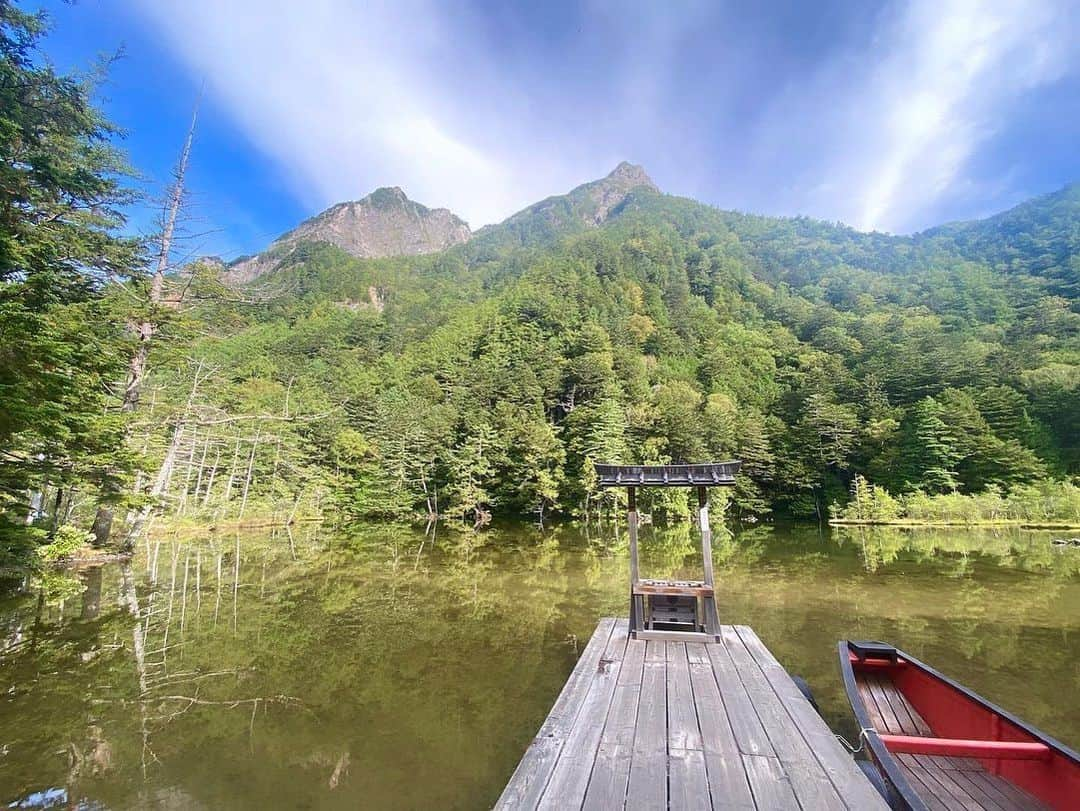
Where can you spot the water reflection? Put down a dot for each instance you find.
(386, 668)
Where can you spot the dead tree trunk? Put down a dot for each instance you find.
(187, 473)
(247, 478)
(202, 466)
(148, 326)
(164, 474)
(232, 469)
(213, 474)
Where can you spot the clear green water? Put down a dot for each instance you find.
(379, 670)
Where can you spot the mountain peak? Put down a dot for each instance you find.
(389, 197)
(608, 193)
(631, 175)
(385, 223)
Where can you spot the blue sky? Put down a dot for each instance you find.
(894, 116)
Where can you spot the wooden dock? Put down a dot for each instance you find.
(684, 725)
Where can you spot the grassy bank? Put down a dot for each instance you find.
(909, 522)
(1048, 504)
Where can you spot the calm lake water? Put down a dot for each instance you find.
(379, 669)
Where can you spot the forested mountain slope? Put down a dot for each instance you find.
(619, 323)
(1040, 236)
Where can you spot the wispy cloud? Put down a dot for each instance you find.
(349, 96)
(485, 112)
(909, 111)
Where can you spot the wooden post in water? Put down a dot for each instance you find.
(712, 618)
(637, 606)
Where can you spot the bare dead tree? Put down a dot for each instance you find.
(164, 474)
(147, 327)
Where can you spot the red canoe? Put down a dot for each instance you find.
(940, 746)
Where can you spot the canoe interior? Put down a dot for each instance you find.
(910, 699)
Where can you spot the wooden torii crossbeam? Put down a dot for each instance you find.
(677, 610)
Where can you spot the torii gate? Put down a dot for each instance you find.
(679, 610)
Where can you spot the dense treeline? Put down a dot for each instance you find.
(62, 345)
(489, 378)
(483, 381)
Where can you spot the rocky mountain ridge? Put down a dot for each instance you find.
(387, 223)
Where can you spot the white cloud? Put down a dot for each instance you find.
(349, 96)
(942, 77)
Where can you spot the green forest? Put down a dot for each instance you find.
(485, 380)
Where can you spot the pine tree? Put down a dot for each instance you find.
(61, 189)
(928, 450)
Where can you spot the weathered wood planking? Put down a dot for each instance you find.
(659, 725)
(944, 782)
(527, 786)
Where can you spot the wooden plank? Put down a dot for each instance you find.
(885, 709)
(1002, 791)
(974, 789)
(607, 783)
(769, 783)
(729, 788)
(986, 790)
(618, 729)
(938, 784)
(682, 723)
(924, 785)
(849, 782)
(671, 589)
(647, 786)
(688, 787)
(908, 718)
(633, 658)
(717, 736)
(806, 775)
(688, 784)
(531, 776)
(877, 720)
(675, 636)
(570, 777)
(611, 769)
(749, 735)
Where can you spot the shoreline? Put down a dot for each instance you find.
(175, 528)
(916, 524)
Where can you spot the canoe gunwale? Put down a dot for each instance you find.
(879, 753)
(887, 761)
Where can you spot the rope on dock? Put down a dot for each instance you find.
(861, 739)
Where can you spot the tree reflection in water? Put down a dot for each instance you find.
(384, 667)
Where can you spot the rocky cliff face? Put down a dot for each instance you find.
(608, 192)
(385, 223)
